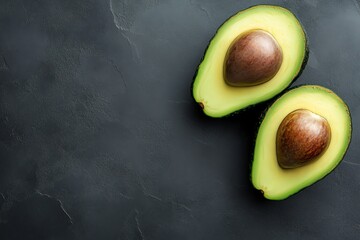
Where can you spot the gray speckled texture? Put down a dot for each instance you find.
(100, 138)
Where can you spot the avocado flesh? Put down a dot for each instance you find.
(277, 183)
(210, 90)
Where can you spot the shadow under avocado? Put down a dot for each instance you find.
(249, 121)
(246, 122)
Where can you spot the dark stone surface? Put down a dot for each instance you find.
(38, 217)
(100, 138)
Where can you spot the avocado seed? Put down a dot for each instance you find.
(302, 137)
(254, 58)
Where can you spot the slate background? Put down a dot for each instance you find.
(100, 138)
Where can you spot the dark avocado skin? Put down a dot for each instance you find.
(261, 117)
(270, 101)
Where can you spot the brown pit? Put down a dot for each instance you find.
(302, 137)
(254, 58)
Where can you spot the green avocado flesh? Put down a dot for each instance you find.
(210, 90)
(277, 183)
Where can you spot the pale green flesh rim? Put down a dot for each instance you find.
(209, 87)
(277, 183)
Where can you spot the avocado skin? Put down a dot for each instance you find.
(261, 118)
(271, 100)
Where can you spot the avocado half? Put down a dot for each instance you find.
(210, 90)
(277, 183)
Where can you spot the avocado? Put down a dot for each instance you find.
(303, 136)
(253, 56)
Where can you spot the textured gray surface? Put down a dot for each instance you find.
(100, 138)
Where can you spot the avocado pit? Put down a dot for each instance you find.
(254, 58)
(302, 137)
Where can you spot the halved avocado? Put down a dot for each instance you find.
(210, 88)
(277, 182)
